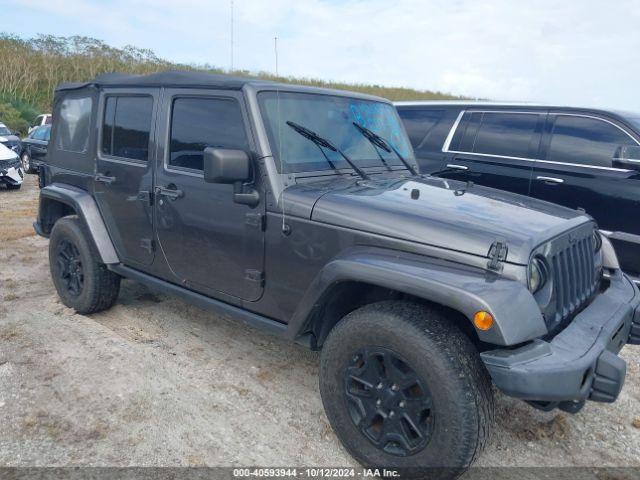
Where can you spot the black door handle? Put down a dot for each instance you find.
(170, 191)
(104, 179)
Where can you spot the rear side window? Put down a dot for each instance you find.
(126, 127)
(47, 120)
(74, 123)
(419, 123)
(501, 134)
(198, 123)
(585, 141)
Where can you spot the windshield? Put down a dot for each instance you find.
(4, 130)
(332, 118)
(635, 121)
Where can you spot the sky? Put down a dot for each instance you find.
(571, 52)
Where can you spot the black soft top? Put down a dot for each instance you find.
(195, 79)
(176, 78)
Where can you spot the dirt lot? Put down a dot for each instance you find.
(156, 382)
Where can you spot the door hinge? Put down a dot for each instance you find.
(497, 254)
(145, 196)
(148, 245)
(256, 220)
(254, 276)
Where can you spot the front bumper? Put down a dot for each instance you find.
(12, 175)
(581, 362)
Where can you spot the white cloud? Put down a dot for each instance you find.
(578, 52)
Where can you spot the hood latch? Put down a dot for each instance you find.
(497, 255)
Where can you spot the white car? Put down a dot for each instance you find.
(44, 119)
(11, 173)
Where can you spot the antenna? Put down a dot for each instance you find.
(231, 53)
(275, 49)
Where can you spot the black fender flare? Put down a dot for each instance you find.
(462, 288)
(86, 208)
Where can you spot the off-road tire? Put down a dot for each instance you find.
(100, 286)
(442, 356)
(11, 186)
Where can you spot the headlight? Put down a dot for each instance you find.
(537, 275)
(597, 241)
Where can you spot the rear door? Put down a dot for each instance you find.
(124, 171)
(494, 148)
(577, 171)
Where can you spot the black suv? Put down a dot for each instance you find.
(299, 210)
(581, 158)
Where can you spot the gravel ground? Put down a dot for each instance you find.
(156, 382)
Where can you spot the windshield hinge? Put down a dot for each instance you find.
(256, 220)
(497, 255)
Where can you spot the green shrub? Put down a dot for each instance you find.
(11, 117)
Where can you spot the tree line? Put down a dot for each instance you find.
(30, 69)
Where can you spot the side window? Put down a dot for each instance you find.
(198, 123)
(586, 141)
(419, 123)
(37, 121)
(47, 120)
(502, 134)
(74, 123)
(47, 133)
(506, 134)
(126, 127)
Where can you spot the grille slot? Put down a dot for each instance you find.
(574, 277)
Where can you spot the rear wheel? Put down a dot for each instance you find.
(81, 280)
(11, 186)
(404, 388)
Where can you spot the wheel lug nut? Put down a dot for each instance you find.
(378, 402)
(394, 387)
(379, 386)
(392, 414)
(402, 404)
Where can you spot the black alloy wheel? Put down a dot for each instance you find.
(387, 401)
(70, 268)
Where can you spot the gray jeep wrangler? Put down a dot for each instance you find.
(300, 211)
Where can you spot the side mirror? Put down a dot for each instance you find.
(627, 156)
(222, 165)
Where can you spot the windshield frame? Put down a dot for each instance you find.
(8, 132)
(322, 168)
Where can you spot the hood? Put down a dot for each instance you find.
(9, 138)
(6, 153)
(437, 212)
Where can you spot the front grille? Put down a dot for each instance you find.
(6, 164)
(575, 275)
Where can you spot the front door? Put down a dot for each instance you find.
(38, 142)
(578, 172)
(124, 172)
(495, 149)
(211, 244)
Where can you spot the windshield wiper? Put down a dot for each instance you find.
(324, 143)
(380, 142)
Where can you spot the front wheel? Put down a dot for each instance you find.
(404, 388)
(25, 158)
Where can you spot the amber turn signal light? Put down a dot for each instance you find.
(483, 320)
